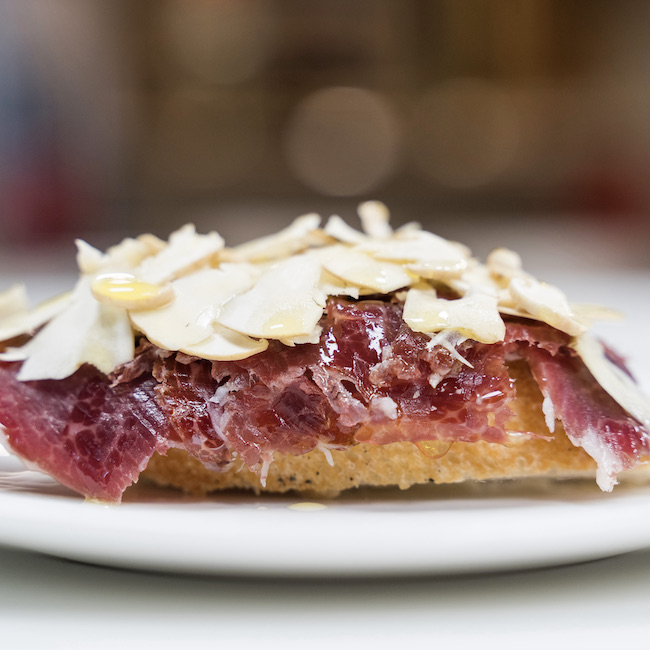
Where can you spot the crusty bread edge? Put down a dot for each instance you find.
(399, 464)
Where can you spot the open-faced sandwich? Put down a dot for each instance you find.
(317, 359)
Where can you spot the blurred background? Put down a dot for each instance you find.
(518, 122)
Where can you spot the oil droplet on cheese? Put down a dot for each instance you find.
(308, 506)
(287, 320)
(125, 290)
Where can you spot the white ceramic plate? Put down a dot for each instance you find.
(374, 533)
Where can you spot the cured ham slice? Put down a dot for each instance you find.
(92, 437)
(591, 418)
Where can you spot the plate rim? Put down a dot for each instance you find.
(341, 539)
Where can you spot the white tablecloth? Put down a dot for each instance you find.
(51, 603)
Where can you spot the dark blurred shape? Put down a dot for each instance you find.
(133, 115)
(465, 133)
(224, 42)
(202, 142)
(66, 78)
(36, 197)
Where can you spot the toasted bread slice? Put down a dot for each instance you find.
(401, 464)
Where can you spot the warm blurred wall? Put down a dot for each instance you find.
(123, 113)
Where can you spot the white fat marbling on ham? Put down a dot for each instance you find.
(549, 413)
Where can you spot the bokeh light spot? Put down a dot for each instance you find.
(342, 141)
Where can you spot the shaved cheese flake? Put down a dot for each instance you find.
(84, 332)
(109, 342)
(224, 344)
(313, 338)
(152, 243)
(436, 269)
(285, 302)
(332, 285)
(15, 353)
(339, 229)
(475, 277)
(465, 251)
(375, 219)
(282, 244)
(504, 263)
(129, 253)
(588, 314)
(190, 317)
(317, 239)
(618, 384)
(363, 271)
(89, 258)
(13, 301)
(546, 303)
(27, 322)
(474, 316)
(506, 310)
(186, 252)
(408, 229)
(126, 255)
(422, 252)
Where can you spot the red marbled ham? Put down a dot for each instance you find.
(591, 418)
(184, 391)
(90, 436)
(369, 379)
(369, 346)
